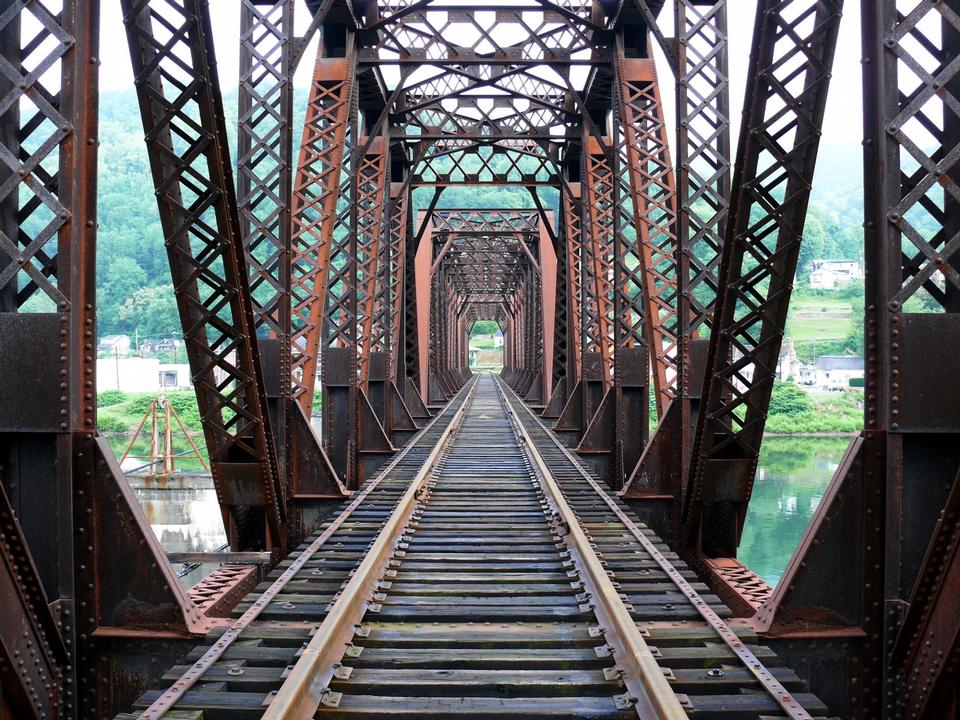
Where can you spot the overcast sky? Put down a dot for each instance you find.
(842, 122)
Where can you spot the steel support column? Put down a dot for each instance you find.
(354, 437)
(200, 219)
(789, 74)
(655, 487)
(68, 519)
(617, 431)
(876, 570)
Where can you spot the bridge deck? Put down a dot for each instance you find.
(459, 583)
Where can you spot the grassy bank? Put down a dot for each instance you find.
(792, 411)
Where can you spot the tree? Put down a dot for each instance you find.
(153, 311)
(788, 399)
(484, 327)
(123, 277)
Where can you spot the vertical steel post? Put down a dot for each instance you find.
(879, 559)
(655, 486)
(318, 187)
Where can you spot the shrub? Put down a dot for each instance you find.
(110, 397)
(108, 421)
(788, 399)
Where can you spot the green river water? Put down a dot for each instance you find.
(791, 479)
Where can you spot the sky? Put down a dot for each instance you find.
(841, 125)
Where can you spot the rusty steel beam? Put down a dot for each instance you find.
(72, 519)
(200, 220)
(264, 187)
(264, 149)
(599, 223)
(317, 187)
(372, 200)
(927, 647)
(653, 190)
(566, 342)
(789, 73)
(574, 288)
(33, 654)
(353, 435)
(885, 529)
(655, 487)
(617, 429)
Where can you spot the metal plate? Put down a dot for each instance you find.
(924, 399)
(31, 358)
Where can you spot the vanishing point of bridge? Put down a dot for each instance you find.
(458, 545)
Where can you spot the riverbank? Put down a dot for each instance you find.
(794, 412)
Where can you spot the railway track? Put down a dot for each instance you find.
(233, 673)
(490, 575)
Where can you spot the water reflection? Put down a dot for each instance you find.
(791, 478)
(184, 514)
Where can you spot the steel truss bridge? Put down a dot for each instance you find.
(462, 545)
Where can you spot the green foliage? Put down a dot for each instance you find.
(122, 412)
(111, 421)
(484, 327)
(828, 412)
(110, 397)
(788, 399)
(153, 310)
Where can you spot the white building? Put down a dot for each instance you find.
(788, 364)
(141, 375)
(115, 345)
(834, 372)
(833, 274)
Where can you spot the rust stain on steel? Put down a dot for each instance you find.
(655, 214)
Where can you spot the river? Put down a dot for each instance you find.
(791, 478)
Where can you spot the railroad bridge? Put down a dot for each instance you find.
(481, 545)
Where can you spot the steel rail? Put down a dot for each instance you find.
(179, 688)
(647, 687)
(770, 684)
(308, 682)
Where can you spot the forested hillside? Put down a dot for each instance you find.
(134, 291)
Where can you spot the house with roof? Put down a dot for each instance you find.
(114, 345)
(834, 372)
(788, 363)
(833, 274)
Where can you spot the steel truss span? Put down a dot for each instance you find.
(407, 538)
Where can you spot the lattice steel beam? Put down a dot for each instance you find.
(264, 149)
(172, 54)
(371, 207)
(600, 228)
(653, 190)
(789, 75)
(317, 186)
(703, 159)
